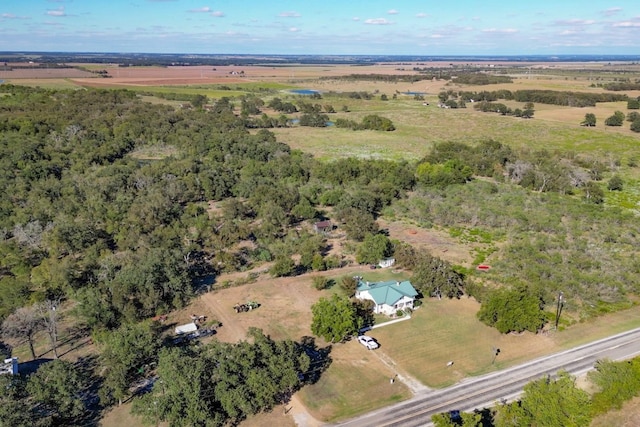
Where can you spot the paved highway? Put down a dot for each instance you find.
(485, 391)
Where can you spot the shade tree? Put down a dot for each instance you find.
(335, 319)
(23, 325)
(589, 120)
(516, 309)
(60, 387)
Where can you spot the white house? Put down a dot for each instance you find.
(388, 297)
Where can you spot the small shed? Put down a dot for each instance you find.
(323, 226)
(387, 262)
(10, 366)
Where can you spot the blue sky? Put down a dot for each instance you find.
(404, 27)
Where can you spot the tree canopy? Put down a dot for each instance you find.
(335, 318)
(223, 383)
(514, 310)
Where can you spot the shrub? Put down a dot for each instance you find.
(615, 183)
(320, 283)
(616, 120)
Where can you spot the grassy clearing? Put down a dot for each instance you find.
(57, 84)
(627, 416)
(418, 127)
(356, 382)
(447, 330)
(187, 90)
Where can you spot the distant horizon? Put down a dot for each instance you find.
(187, 55)
(331, 27)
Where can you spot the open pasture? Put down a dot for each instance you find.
(440, 331)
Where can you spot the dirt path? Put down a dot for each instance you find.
(300, 416)
(412, 384)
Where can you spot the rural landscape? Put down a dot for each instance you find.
(205, 240)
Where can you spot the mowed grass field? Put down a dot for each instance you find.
(448, 330)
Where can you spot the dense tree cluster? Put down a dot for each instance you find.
(569, 99)
(393, 78)
(481, 79)
(622, 86)
(515, 309)
(546, 403)
(369, 122)
(108, 198)
(56, 394)
(221, 384)
(497, 107)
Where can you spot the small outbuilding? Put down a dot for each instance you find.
(186, 329)
(10, 366)
(323, 227)
(387, 262)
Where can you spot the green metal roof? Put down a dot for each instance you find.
(388, 292)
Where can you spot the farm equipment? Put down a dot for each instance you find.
(248, 306)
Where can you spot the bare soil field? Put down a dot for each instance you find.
(44, 73)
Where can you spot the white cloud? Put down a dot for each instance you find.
(627, 24)
(612, 11)
(56, 12)
(218, 14)
(576, 22)
(377, 21)
(204, 9)
(290, 14)
(294, 29)
(437, 36)
(500, 31)
(421, 15)
(8, 16)
(392, 12)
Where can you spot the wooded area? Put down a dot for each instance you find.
(126, 210)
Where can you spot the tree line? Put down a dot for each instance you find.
(558, 400)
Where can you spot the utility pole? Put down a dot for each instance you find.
(559, 307)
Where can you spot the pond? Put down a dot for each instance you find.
(297, 121)
(304, 91)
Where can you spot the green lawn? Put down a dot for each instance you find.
(447, 330)
(356, 382)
